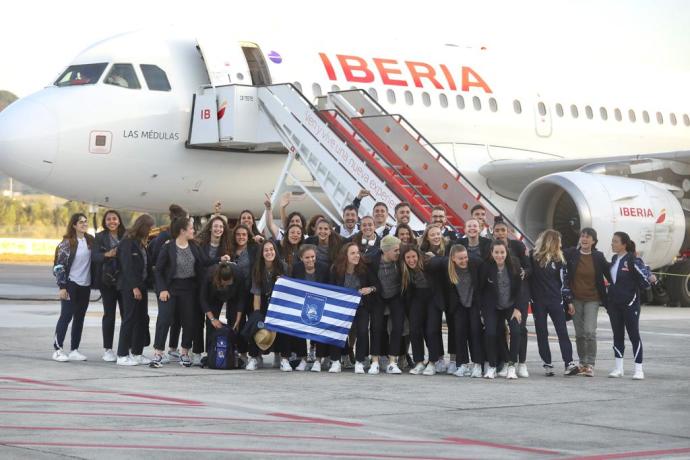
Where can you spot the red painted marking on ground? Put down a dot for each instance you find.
(641, 453)
(187, 402)
(218, 449)
(324, 421)
(475, 442)
(155, 416)
(87, 401)
(227, 433)
(32, 381)
(71, 390)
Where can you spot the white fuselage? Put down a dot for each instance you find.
(44, 138)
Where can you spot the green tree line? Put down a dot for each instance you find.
(39, 217)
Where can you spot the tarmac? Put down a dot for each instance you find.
(98, 410)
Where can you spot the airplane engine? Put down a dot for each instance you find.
(569, 201)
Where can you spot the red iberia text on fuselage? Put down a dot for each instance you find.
(636, 212)
(391, 72)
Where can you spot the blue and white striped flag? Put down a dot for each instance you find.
(315, 311)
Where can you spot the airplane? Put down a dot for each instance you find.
(113, 130)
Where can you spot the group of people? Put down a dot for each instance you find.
(481, 281)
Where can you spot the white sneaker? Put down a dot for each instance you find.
(109, 356)
(316, 367)
(174, 354)
(441, 366)
(393, 369)
(126, 361)
(277, 361)
(76, 356)
(336, 367)
(638, 375)
(503, 372)
(141, 359)
(490, 373)
(359, 367)
(285, 365)
(476, 371)
(302, 366)
(616, 373)
(462, 371)
(60, 356)
(452, 368)
(522, 371)
(252, 364)
(510, 373)
(374, 369)
(418, 369)
(430, 369)
(571, 369)
(165, 358)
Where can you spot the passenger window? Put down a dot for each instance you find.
(603, 113)
(645, 116)
(409, 99)
(686, 119)
(573, 111)
(390, 94)
(426, 99)
(460, 102)
(517, 107)
(316, 89)
(588, 112)
(617, 114)
(82, 74)
(493, 105)
(673, 119)
(631, 115)
(542, 109)
(374, 94)
(122, 75)
(559, 110)
(477, 103)
(443, 100)
(155, 77)
(659, 118)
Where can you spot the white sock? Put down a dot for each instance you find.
(619, 364)
(638, 367)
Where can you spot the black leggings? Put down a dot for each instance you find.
(323, 350)
(361, 327)
(417, 305)
(134, 323)
(183, 297)
(468, 332)
(397, 315)
(557, 314)
(72, 310)
(434, 340)
(494, 323)
(111, 299)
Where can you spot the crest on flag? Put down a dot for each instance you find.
(312, 311)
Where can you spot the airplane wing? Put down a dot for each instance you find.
(509, 177)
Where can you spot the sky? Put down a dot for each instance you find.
(39, 38)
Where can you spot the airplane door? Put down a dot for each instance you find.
(224, 59)
(542, 118)
(257, 64)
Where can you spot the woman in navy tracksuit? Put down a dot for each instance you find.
(500, 284)
(135, 273)
(629, 275)
(551, 295)
(105, 252)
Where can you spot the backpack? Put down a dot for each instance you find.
(110, 272)
(222, 348)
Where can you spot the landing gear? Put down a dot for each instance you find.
(678, 284)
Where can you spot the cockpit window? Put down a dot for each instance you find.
(155, 77)
(123, 75)
(82, 74)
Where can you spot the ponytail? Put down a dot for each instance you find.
(625, 239)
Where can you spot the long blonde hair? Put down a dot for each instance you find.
(547, 248)
(425, 244)
(452, 274)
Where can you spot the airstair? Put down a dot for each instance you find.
(348, 144)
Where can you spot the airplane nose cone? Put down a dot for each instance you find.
(28, 141)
